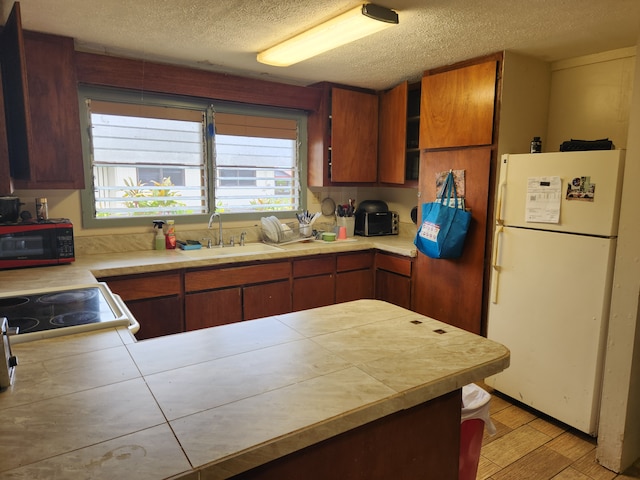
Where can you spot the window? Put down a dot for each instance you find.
(148, 156)
(256, 159)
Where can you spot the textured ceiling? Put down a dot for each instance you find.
(225, 35)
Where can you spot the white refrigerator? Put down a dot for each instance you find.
(551, 279)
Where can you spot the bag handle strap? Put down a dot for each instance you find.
(448, 189)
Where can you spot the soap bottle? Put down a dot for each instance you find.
(159, 240)
(170, 235)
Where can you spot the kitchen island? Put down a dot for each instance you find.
(362, 386)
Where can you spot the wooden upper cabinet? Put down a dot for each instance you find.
(457, 106)
(40, 91)
(343, 138)
(398, 132)
(392, 134)
(354, 136)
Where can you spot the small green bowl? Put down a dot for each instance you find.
(329, 237)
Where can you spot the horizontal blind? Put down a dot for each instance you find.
(127, 139)
(256, 163)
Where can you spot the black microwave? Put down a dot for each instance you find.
(373, 224)
(36, 244)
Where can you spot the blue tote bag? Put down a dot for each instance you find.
(444, 225)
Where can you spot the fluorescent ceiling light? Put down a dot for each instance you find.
(348, 27)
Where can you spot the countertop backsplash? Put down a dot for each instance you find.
(133, 242)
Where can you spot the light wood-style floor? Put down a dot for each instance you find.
(529, 445)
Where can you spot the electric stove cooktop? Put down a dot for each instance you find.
(49, 313)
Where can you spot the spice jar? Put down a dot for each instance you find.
(42, 209)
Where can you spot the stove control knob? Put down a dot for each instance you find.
(13, 361)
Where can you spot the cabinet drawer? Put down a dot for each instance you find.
(234, 276)
(354, 261)
(136, 288)
(313, 266)
(391, 263)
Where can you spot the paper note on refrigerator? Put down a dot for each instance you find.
(543, 199)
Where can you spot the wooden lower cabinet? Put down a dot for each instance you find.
(312, 292)
(216, 296)
(213, 308)
(422, 442)
(155, 300)
(177, 301)
(354, 276)
(157, 316)
(393, 279)
(393, 288)
(314, 282)
(266, 299)
(354, 285)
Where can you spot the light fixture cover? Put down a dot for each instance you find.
(345, 28)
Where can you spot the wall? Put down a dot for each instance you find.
(619, 438)
(598, 96)
(590, 98)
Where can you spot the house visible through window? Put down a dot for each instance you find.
(159, 157)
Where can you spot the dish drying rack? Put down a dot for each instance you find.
(275, 232)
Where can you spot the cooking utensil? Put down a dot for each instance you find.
(328, 207)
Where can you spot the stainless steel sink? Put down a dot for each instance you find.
(248, 249)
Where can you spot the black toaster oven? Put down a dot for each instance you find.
(372, 224)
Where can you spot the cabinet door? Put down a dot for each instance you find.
(42, 108)
(452, 290)
(393, 288)
(457, 106)
(155, 301)
(312, 292)
(266, 299)
(16, 94)
(393, 279)
(210, 309)
(392, 135)
(354, 285)
(55, 119)
(157, 316)
(354, 136)
(6, 186)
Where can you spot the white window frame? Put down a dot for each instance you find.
(117, 95)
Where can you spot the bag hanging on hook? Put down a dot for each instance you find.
(444, 226)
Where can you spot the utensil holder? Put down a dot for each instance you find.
(349, 223)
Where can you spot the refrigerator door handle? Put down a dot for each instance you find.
(495, 277)
(499, 219)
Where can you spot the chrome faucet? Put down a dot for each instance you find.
(220, 238)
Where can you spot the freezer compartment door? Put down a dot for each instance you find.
(550, 307)
(600, 171)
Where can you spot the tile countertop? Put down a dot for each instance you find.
(87, 268)
(222, 400)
